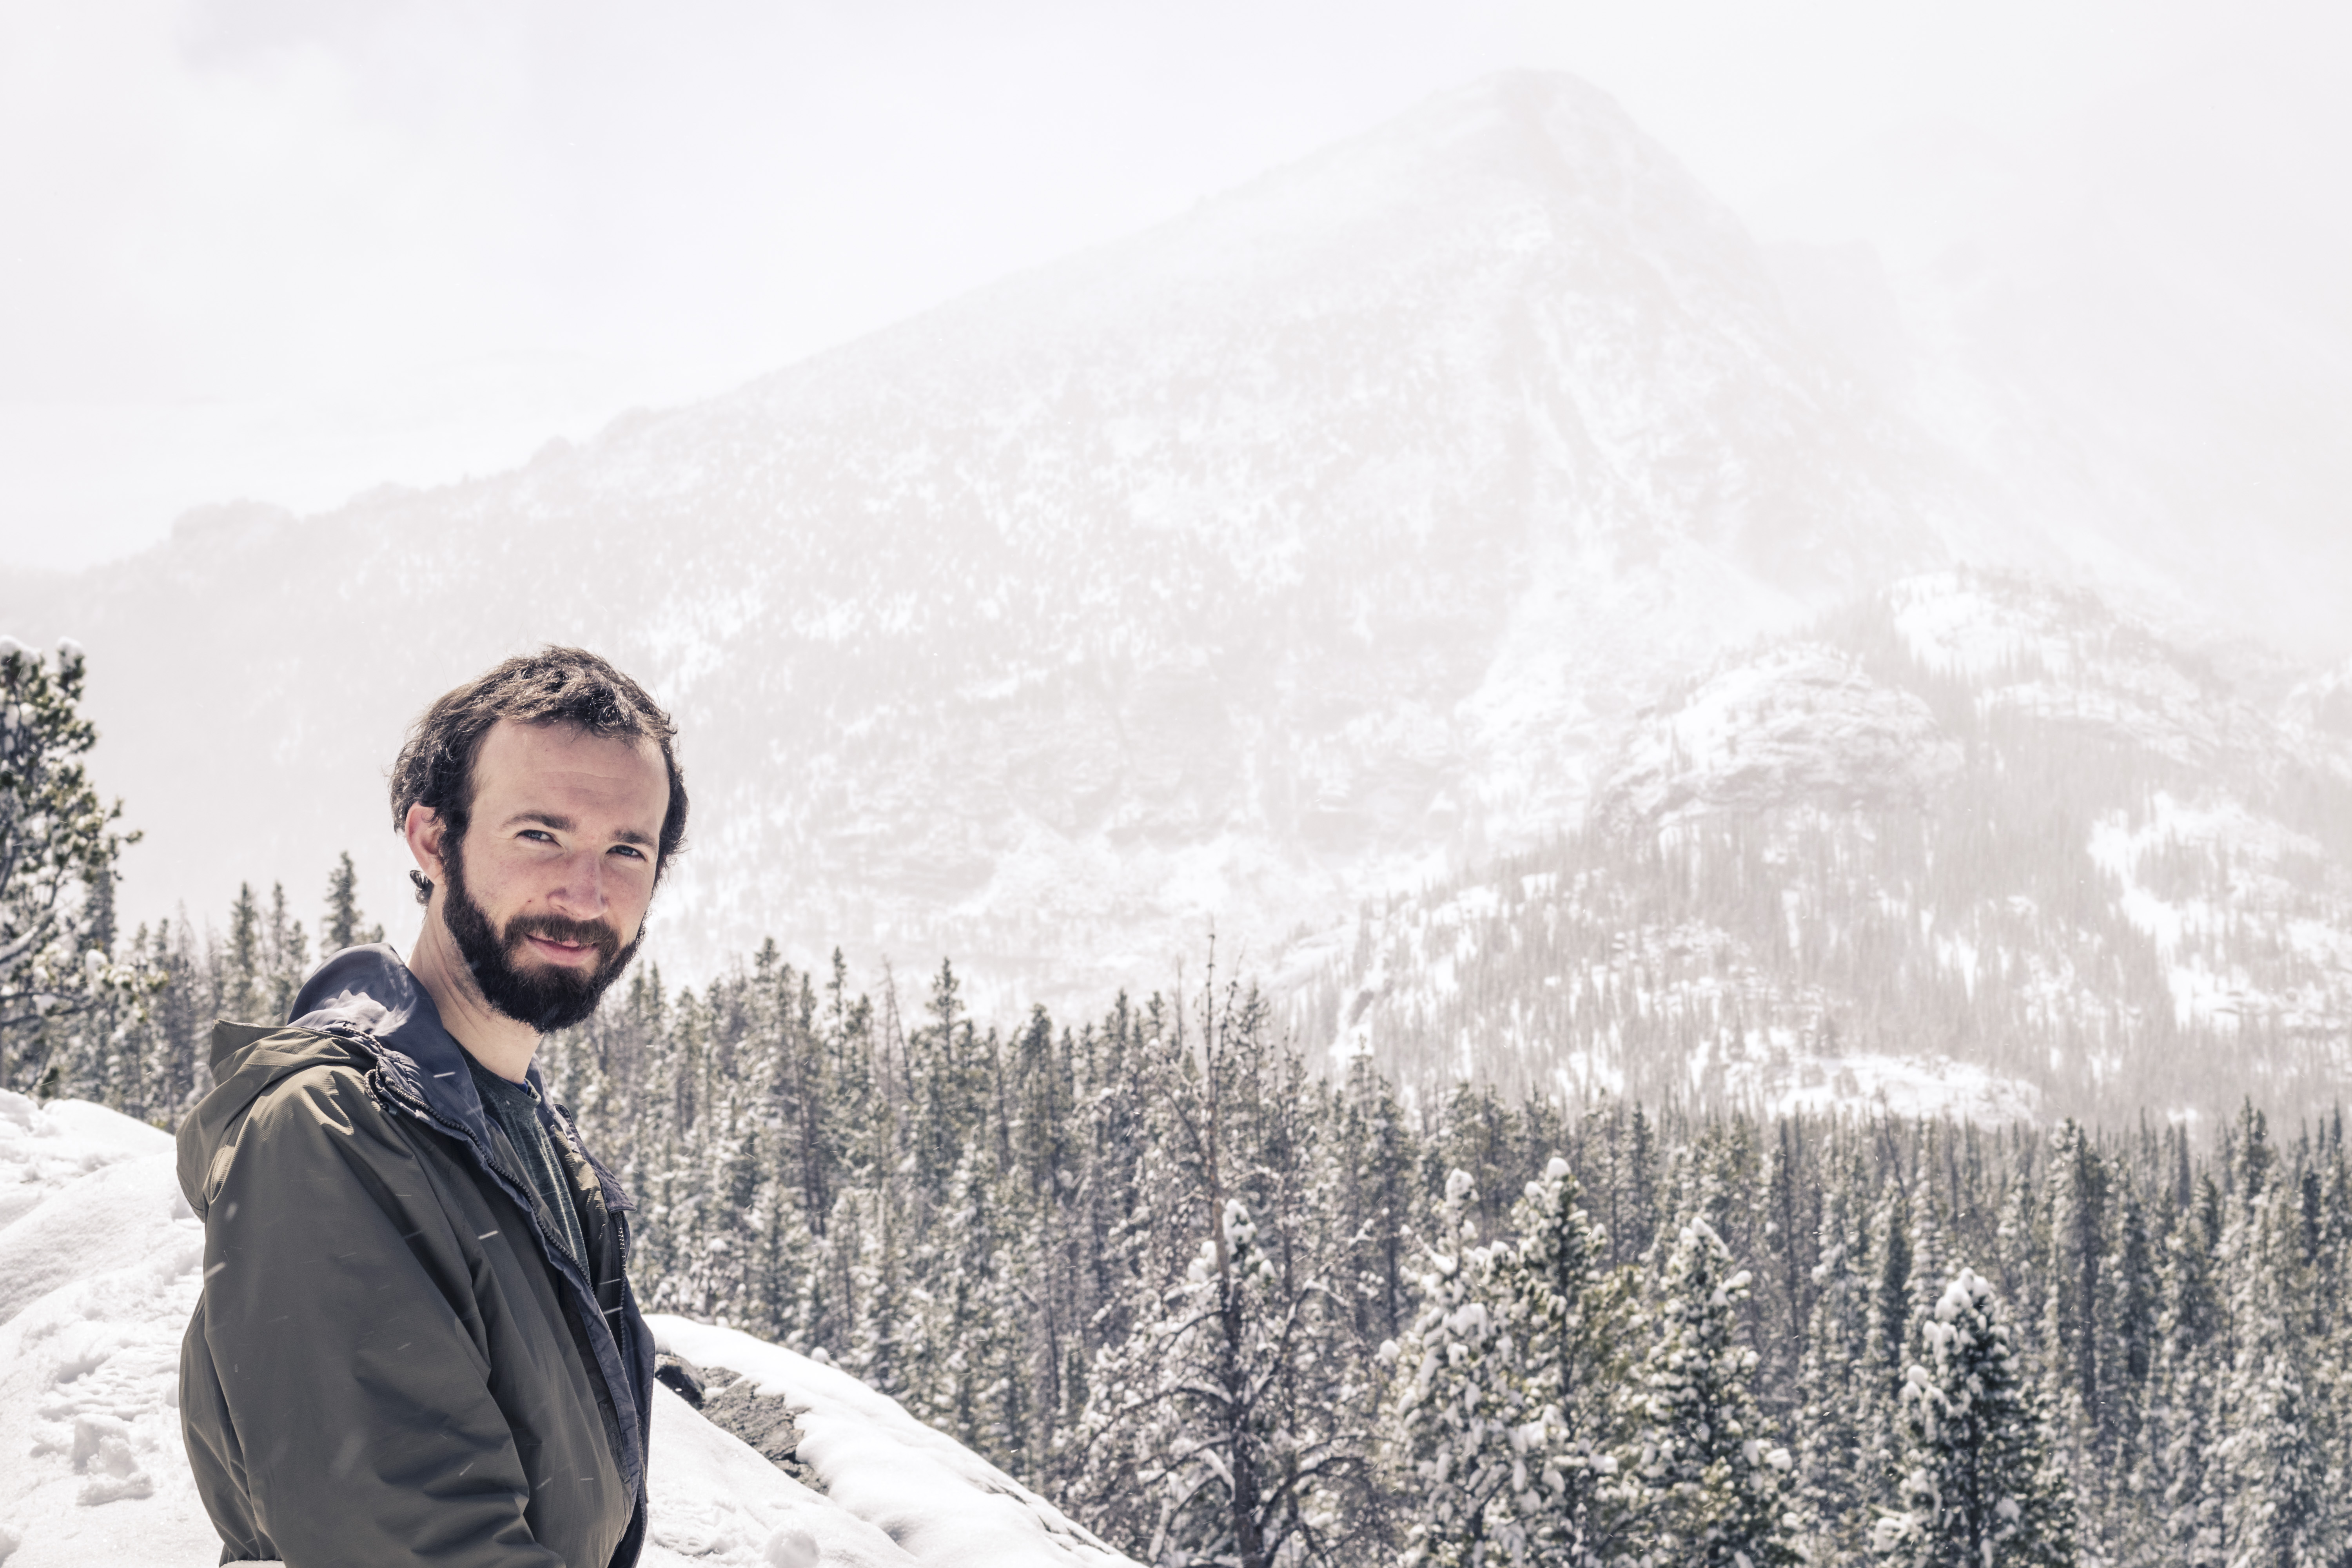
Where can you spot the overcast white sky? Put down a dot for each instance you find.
(288, 249)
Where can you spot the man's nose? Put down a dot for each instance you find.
(580, 892)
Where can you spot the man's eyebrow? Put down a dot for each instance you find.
(565, 824)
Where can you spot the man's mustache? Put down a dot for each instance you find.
(555, 928)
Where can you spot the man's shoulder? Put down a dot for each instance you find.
(301, 1094)
(256, 1065)
(322, 1074)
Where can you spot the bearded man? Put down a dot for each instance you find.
(417, 1342)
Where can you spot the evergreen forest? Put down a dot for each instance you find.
(1226, 1307)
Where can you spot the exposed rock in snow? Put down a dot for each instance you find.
(101, 1265)
(1801, 724)
(2319, 712)
(717, 1502)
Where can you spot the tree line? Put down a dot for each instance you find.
(1237, 1310)
(1233, 1308)
(138, 1043)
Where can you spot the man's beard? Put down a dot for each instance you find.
(547, 998)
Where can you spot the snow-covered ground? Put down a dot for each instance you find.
(100, 1263)
(1918, 1086)
(940, 1501)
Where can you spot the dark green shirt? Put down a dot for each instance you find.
(515, 1108)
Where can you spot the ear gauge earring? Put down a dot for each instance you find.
(423, 886)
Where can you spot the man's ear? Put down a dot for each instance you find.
(423, 827)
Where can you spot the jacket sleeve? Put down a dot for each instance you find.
(340, 1316)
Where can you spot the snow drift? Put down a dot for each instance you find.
(100, 1264)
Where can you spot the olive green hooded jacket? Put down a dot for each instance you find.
(391, 1362)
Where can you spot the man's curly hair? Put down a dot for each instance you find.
(553, 686)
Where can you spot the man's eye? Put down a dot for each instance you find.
(629, 849)
(540, 833)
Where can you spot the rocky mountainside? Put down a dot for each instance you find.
(1320, 537)
(1973, 843)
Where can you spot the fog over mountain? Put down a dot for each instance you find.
(1329, 541)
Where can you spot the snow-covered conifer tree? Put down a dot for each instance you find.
(1978, 1488)
(2286, 1473)
(2077, 1197)
(1202, 1434)
(2185, 1416)
(1890, 1311)
(1224, 1428)
(1837, 1485)
(59, 849)
(1475, 1447)
(343, 926)
(1572, 1319)
(1717, 1483)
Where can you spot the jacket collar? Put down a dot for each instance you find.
(370, 990)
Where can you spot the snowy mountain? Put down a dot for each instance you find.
(1973, 844)
(1360, 530)
(100, 1269)
(1312, 538)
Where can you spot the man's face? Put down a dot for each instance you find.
(546, 898)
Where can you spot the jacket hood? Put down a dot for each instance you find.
(248, 1060)
(361, 1009)
(370, 990)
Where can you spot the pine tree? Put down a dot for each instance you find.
(243, 996)
(893, 1339)
(1475, 1444)
(1838, 1485)
(786, 1267)
(1793, 1217)
(2077, 1194)
(2185, 1415)
(176, 1015)
(1223, 1425)
(59, 853)
(1886, 1340)
(1379, 1149)
(284, 957)
(2284, 1510)
(978, 1385)
(343, 926)
(1978, 1488)
(1716, 1482)
(1573, 1319)
(2128, 1514)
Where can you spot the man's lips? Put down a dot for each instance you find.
(559, 952)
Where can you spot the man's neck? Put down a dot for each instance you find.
(490, 1037)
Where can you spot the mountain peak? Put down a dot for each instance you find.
(1314, 540)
